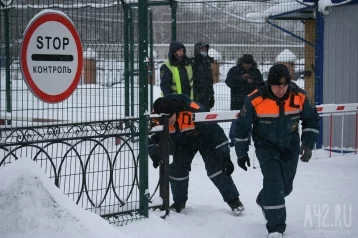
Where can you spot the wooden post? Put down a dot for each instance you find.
(310, 35)
(215, 67)
(89, 66)
(151, 75)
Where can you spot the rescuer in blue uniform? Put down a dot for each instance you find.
(274, 111)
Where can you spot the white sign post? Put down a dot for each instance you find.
(51, 56)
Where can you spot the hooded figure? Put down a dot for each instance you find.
(203, 78)
(176, 74)
(242, 79)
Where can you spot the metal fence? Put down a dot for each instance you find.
(89, 144)
(95, 164)
(99, 94)
(76, 139)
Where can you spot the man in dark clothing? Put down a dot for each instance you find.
(176, 74)
(188, 138)
(242, 79)
(203, 78)
(274, 110)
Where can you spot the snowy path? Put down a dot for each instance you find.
(323, 204)
(323, 189)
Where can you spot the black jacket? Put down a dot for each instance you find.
(239, 87)
(203, 80)
(166, 76)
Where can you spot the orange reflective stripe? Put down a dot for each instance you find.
(256, 101)
(185, 121)
(194, 105)
(269, 108)
(296, 100)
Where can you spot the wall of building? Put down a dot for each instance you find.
(340, 75)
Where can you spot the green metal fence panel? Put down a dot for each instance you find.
(99, 95)
(93, 138)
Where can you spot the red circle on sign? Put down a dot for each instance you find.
(50, 16)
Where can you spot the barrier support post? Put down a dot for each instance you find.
(330, 136)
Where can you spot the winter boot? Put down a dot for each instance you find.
(178, 207)
(275, 235)
(236, 206)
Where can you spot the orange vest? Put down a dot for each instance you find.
(185, 120)
(269, 108)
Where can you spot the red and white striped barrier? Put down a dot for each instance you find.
(337, 108)
(324, 110)
(216, 116)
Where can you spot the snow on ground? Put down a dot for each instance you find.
(323, 204)
(32, 206)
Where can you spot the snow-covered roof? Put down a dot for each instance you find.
(286, 56)
(287, 6)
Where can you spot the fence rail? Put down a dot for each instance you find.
(96, 164)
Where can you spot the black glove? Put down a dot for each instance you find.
(154, 154)
(241, 161)
(227, 166)
(306, 153)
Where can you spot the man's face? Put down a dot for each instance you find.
(180, 52)
(204, 49)
(279, 90)
(247, 66)
(172, 119)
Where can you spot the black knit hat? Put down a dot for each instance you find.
(167, 106)
(279, 75)
(247, 59)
